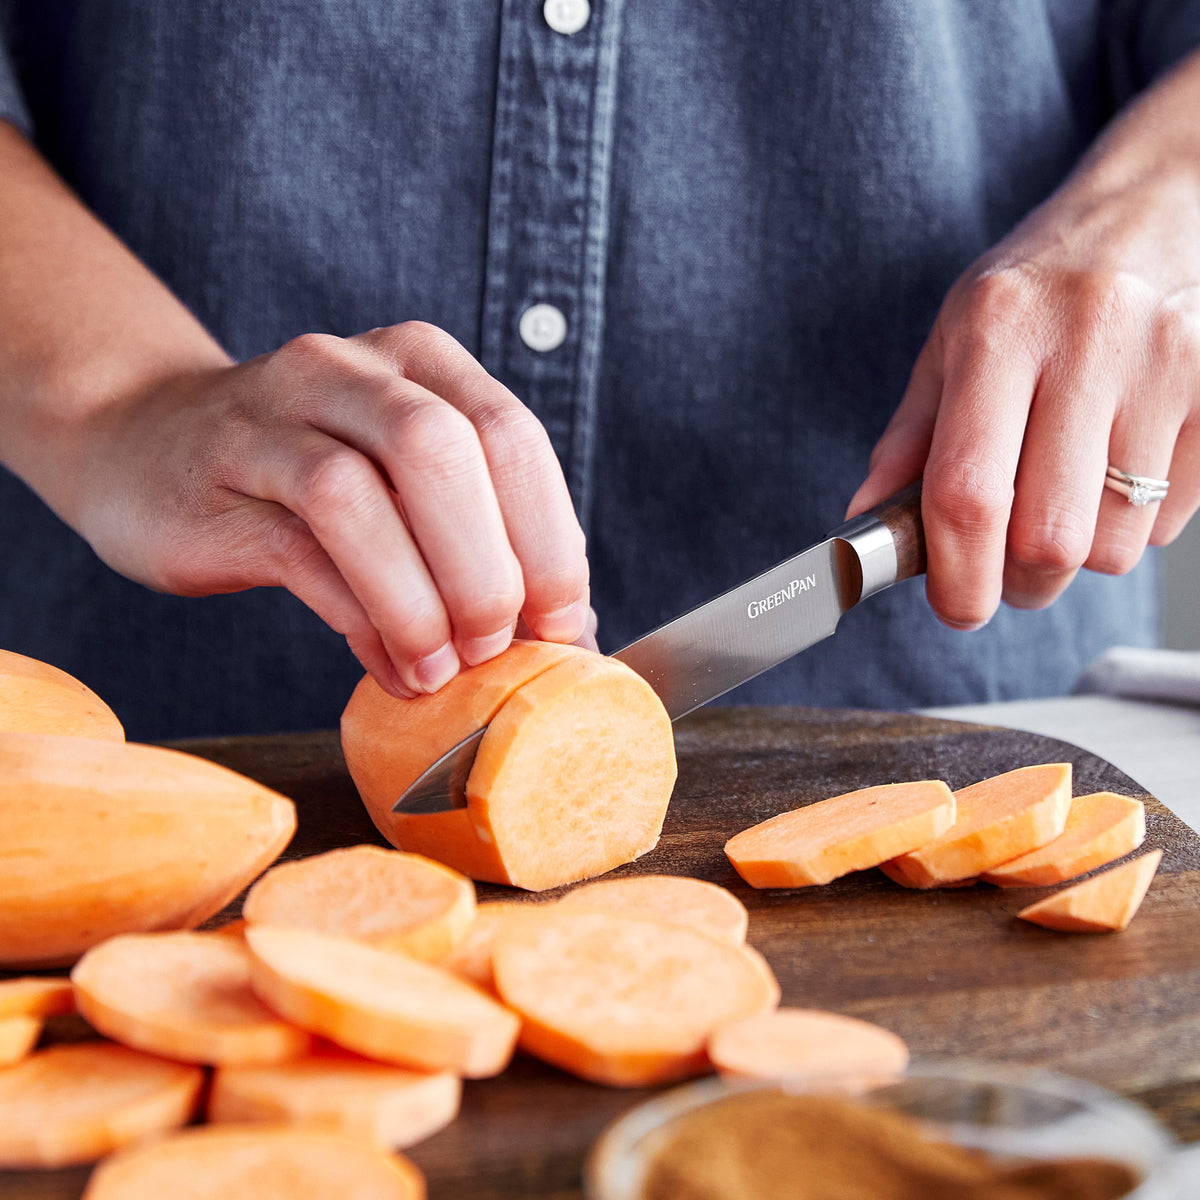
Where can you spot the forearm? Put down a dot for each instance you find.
(84, 324)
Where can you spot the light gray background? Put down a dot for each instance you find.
(1181, 607)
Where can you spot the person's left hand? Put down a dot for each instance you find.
(1072, 345)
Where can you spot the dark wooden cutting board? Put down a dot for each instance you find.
(951, 971)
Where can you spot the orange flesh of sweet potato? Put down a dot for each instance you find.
(624, 1000)
(76, 1102)
(386, 897)
(794, 1042)
(380, 1003)
(36, 996)
(998, 820)
(38, 698)
(833, 837)
(1106, 903)
(227, 1162)
(473, 958)
(102, 838)
(392, 1106)
(18, 1035)
(1101, 828)
(676, 898)
(186, 996)
(574, 773)
(571, 779)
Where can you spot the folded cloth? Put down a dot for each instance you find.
(1145, 673)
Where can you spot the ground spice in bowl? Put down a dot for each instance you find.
(772, 1145)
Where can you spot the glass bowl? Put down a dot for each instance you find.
(1012, 1114)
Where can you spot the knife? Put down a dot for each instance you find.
(742, 632)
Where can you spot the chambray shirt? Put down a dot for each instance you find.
(746, 215)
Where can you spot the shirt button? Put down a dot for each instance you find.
(567, 16)
(543, 327)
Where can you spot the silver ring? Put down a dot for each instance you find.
(1137, 489)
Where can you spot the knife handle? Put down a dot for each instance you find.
(901, 514)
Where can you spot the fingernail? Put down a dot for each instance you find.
(564, 624)
(437, 669)
(480, 649)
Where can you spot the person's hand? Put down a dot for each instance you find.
(1073, 345)
(386, 479)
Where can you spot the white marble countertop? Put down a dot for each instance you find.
(1155, 743)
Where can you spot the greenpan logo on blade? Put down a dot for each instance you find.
(757, 607)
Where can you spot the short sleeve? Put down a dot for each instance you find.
(1148, 37)
(12, 102)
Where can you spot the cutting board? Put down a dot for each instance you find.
(951, 971)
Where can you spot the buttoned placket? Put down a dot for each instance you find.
(543, 306)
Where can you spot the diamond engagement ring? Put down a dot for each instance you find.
(1137, 489)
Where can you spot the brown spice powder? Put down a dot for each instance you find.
(773, 1146)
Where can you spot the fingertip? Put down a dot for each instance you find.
(566, 624)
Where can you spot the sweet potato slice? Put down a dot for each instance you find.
(624, 1000)
(381, 1004)
(1101, 828)
(472, 959)
(18, 1035)
(392, 1106)
(675, 898)
(38, 698)
(227, 1162)
(833, 837)
(1106, 903)
(998, 820)
(76, 1102)
(389, 898)
(103, 838)
(185, 996)
(801, 1042)
(36, 996)
(571, 779)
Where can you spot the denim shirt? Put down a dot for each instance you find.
(739, 220)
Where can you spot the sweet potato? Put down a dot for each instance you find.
(675, 898)
(1101, 828)
(571, 779)
(76, 1102)
(18, 1035)
(998, 819)
(472, 959)
(227, 1162)
(799, 1042)
(103, 838)
(380, 1003)
(392, 1106)
(1106, 903)
(185, 996)
(38, 698)
(624, 1000)
(36, 996)
(391, 899)
(833, 837)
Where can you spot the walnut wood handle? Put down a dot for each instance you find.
(901, 514)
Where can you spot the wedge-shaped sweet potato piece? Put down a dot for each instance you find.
(1101, 828)
(76, 1102)
(18, 1035)
(851, 832)
(998, 819)
(36, 996)
(381, 1003)
(103, 838)
(185, 996)
(804, 1042)
(1106, 903)
(624, 1000)
(676, 898)
(228, 1162)
(38, 698)
(571, 779)
(389, 898)
(333, 1089)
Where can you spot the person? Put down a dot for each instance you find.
(383, 327)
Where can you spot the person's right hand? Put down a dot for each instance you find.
(386, 479)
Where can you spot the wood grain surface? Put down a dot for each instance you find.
(951, 971)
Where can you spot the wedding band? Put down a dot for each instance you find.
(1137, 489)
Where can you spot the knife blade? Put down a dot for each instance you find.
(743, 632)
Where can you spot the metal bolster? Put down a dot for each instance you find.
(875, 547)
